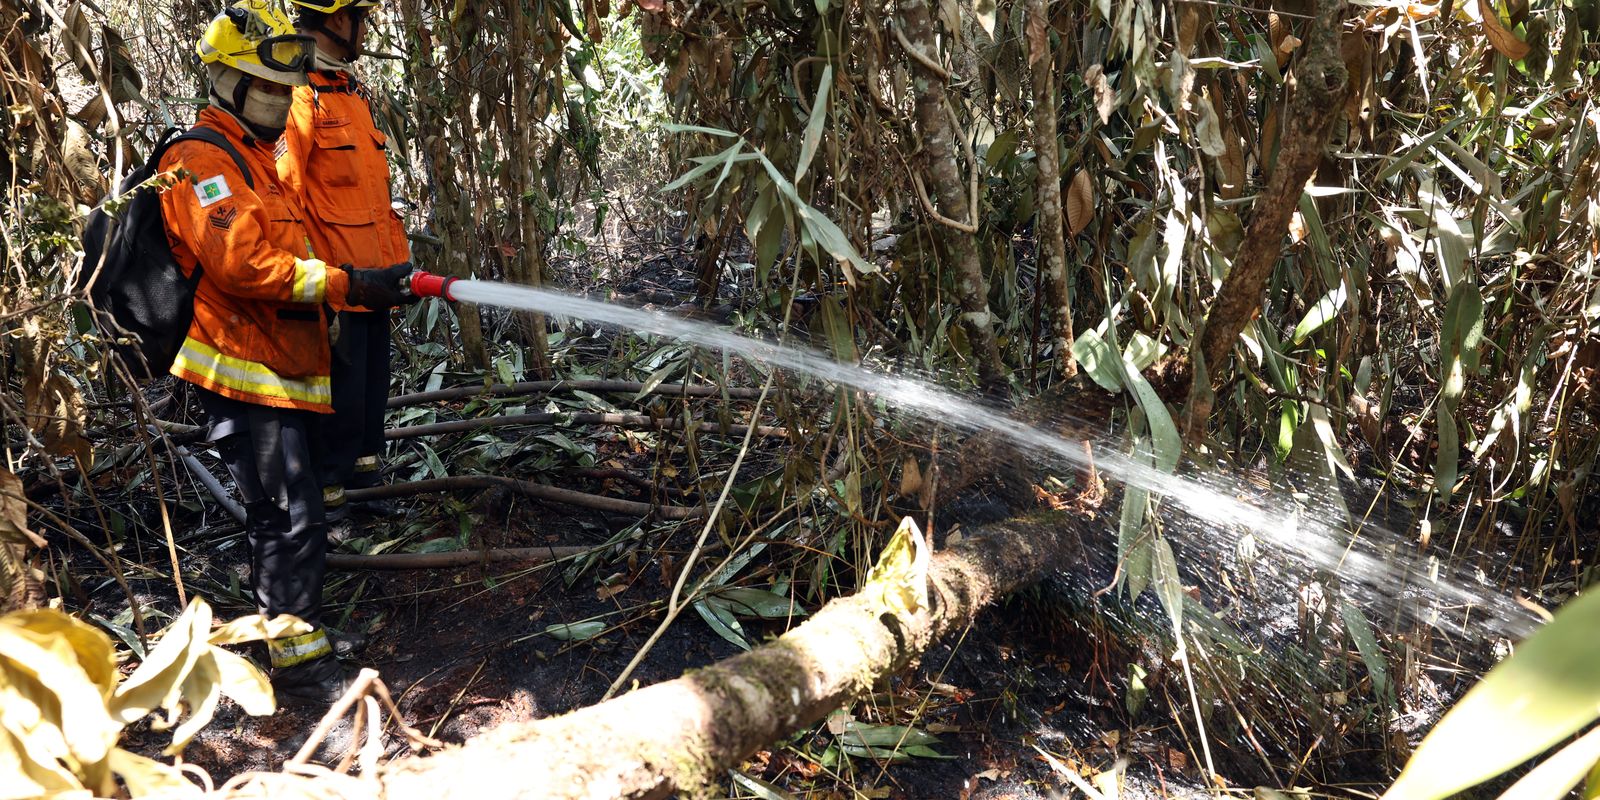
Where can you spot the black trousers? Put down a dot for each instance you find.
(268, 452)
(353, 437)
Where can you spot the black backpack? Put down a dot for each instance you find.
(143, 303)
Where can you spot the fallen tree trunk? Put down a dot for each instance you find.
(529, 488)
(546, 387)
(684, 734)
(596, 418)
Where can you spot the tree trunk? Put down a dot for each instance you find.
(950, 193)
(452, 219)
(1052, 245)
(684, 734)
(530, 256)
(1319, 85)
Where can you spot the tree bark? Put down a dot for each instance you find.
(1052, 244)
(530, 256)
(953, 210)
(1319, 84)
(684, 734)
(451, 216)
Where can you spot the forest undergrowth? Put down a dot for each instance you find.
(1414, 370)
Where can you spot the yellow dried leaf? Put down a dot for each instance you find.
(148, 778)
(95, 653)
(1080, 203)
(158, 682)
(1499, 36)
(900, 578)
(256, 627)
(71, 704)
(244, 684)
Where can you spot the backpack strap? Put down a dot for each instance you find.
(215, 139)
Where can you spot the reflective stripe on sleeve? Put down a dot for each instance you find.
(310, 280)
(207, 363)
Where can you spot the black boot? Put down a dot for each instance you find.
(318, 682)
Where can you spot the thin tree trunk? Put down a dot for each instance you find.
(531, 254)
(452, 218)
(950, 193)
(684, 734)
(1319, 84)
(1052, 245)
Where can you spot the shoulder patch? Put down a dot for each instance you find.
(211, 190)
(222, 218)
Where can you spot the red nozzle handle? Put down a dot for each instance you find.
(426, 284)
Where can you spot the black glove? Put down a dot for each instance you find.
(379, 289)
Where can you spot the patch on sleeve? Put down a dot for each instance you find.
(222, 218)
(211, 190)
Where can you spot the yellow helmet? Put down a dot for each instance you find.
(255, 38)
(334, 6)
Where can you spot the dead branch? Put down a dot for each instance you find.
(549, 387)
(535, 490)
(458, 558)
(546, 418)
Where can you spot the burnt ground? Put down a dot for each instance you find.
(465, 650)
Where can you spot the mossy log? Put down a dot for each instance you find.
(683, 734)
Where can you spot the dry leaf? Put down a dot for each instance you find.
(1297, 228)
(1499, 35)
(1208, 130)
(1080, 203)
(1038, 39)
(14, 512)
(910, 478)
(1105, 100)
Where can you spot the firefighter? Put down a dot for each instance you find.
(257, 349)
(335, 160)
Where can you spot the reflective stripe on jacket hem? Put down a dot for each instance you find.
(210, 366)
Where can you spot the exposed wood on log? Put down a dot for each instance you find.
(457, 558)
(529, 488)
(1319, 83)
(549, 387)
(709, 720)
(546, 418)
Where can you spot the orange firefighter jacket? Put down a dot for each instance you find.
(335, 160)
(259, 333)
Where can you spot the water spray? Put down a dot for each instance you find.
(1313, 541)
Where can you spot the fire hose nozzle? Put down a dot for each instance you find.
(426, 284)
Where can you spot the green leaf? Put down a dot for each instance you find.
(819, 116)
(1163, 431)
(704, 168)
(759, 603)
(1448, 464)
(1546, 691)
(760, 788)
(1320, 314)
(885, 735)
(722, 622)
(576, 631)
(1098, 359)
(1419, 148)
(1367, 644)
(1169, 587)
(673, 127)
